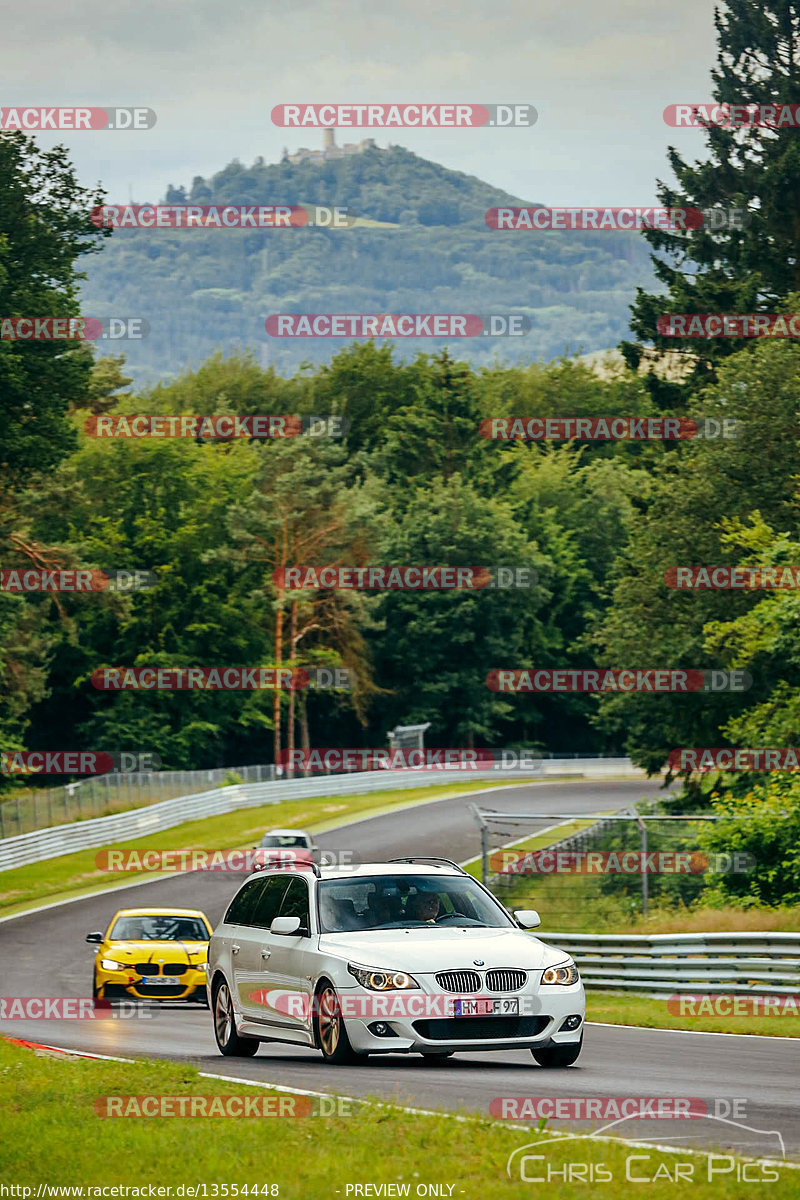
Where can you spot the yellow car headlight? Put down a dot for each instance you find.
(564, 975)
(111, 964)
(382, 981)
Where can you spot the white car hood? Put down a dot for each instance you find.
(441, 949)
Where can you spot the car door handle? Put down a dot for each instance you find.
(235, 949)
(265, 953)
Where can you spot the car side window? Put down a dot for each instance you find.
(295, 903)
(269, 901)
(243, 905)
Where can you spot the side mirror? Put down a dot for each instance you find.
(285, 925)
(528, 918)
(94, 937)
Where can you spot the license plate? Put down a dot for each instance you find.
(486, 1007)
(159, 981)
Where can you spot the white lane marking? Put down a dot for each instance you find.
(769, 1037)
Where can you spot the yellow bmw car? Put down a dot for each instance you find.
(152, 954)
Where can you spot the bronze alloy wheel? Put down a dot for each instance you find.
(330, 1021)
(228, 1040)
(331, 1031)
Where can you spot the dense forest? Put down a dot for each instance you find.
(412, 481)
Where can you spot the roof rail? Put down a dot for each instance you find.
(431, 858)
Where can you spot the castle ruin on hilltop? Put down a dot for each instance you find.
(329, 149)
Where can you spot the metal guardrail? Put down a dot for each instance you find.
(26, 810)
(733, 963)
(136, 823)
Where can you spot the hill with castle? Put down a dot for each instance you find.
(422, 247)
(329, 149)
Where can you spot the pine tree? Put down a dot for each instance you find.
(753, 167)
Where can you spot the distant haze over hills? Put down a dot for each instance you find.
(422, 246)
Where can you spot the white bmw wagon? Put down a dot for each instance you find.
(407, 956)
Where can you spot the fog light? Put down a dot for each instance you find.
(381, 1029)
(571, 1022)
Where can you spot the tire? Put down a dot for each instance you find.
(329, 1029)
(228, 1040)
(558, 1056)
(95, 992)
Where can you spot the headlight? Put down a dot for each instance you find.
(110, 964)
(565, 974)
(382, 981)
(201, 966)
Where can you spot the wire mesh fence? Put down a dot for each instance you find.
(617, 866)
(29, 810)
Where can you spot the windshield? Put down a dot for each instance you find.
(407, 902)
(159, 928)
(279, 840)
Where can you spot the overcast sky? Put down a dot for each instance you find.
(600, 73)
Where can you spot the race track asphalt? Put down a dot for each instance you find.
(44, 954)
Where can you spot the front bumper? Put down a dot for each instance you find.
(141, 987)
(540, 1021)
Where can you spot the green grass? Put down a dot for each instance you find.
(77, 874)
(51, 1133)
(653, 1013)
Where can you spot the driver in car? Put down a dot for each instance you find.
(424, 906)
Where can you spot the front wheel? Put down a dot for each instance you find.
(228, 1040)
(557, 1056)
(330, 1030)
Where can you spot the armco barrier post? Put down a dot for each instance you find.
(484, 854)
